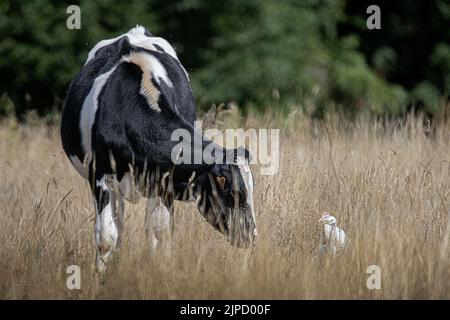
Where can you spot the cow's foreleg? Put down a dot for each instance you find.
(106, 231)
(158, 223)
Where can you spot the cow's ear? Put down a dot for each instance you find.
(221, 181)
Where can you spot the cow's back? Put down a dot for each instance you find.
(127, 88)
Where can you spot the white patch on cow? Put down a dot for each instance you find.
(165, 45)
(138, 38)
(246, 173)
(158, 70)
(151, 69)
(82, 168)
(106, 233)
(106, 230)
(138, 30)
(157, 221)
(151, 64)
(88, 111)
(168, 49)
(100, 44)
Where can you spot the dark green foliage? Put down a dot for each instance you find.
(39, 55)
(411, 49)
(254, 52)
(266, 49)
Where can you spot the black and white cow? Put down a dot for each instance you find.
(117, 122)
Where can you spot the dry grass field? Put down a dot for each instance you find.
(388, 184)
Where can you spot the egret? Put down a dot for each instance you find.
(334, 238)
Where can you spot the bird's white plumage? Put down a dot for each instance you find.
(334, 238)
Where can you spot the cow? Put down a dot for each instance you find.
(117, 122)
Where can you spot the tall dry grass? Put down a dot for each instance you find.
(388, 184)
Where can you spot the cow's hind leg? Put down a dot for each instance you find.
(120, 217)
(106, 231)
(158, 223)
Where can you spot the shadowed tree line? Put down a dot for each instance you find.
(309, 54)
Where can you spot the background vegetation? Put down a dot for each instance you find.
(256, 53)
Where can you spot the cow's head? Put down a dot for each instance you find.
(225, 198)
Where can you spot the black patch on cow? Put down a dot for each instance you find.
(158, 48)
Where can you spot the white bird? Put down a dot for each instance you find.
(334, 238)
